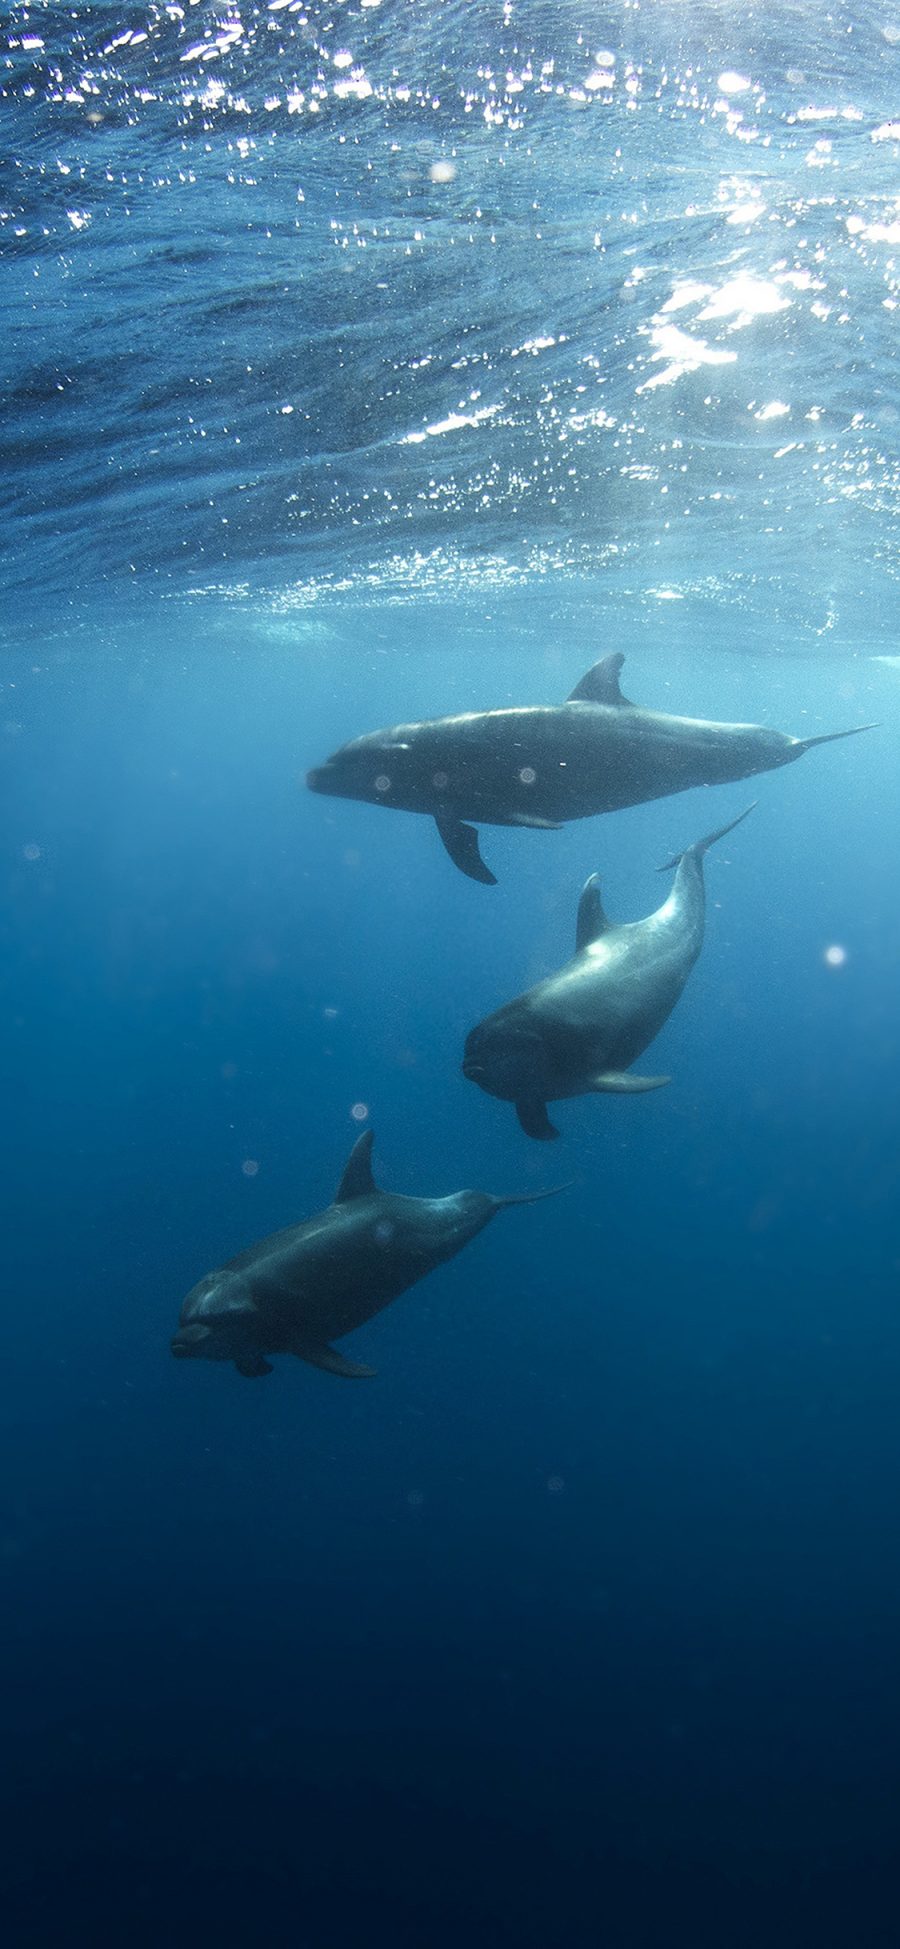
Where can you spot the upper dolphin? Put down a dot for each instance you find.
(299, 1289)
(579, 1030)
(541, 765)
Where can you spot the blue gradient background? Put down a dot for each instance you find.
(579, 1623)
(361, 362)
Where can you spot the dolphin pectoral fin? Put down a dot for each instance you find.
(461, 842)
(333, 1362)
(253, 1366)
(620, 1082)
(592, 921)
(532, 1114)
(601, 684)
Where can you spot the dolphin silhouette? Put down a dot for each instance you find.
(299, 1289)
(543, 765)
(579, 1030)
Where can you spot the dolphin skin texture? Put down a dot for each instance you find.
(543, 765)
(578, 1031)
(300, 1289)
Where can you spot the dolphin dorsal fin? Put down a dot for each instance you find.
(357, 1181)
(592, 921)
(601, 684)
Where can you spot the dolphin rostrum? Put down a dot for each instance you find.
(300, 1289)
(579, 1030)
(543, 765)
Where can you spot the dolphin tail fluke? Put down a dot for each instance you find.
(527, 1197)
(702, 846)
(827, 737)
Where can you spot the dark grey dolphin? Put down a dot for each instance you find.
(579, 1030)
(543, 765)
(301, 1288)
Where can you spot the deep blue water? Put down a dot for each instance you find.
(578, 1625)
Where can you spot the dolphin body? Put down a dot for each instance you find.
(543, 765)
(579, 1031)
(301, 1288)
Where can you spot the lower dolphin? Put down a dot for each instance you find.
(580, 1030)
(299, 1289)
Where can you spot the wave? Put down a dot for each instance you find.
(296, 296)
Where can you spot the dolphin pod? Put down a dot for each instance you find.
(579, 1031)
(299, 1289)
(543, 765)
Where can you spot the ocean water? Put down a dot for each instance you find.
(362, 363)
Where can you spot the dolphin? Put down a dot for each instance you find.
(299, 1289)
(580, 1030)
(542, 765)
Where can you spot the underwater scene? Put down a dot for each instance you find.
(450, 965)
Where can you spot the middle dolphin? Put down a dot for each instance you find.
(578, 1031)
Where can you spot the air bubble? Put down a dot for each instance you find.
(528, 775)
(382, 782)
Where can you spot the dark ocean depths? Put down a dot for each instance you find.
(361, 363)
